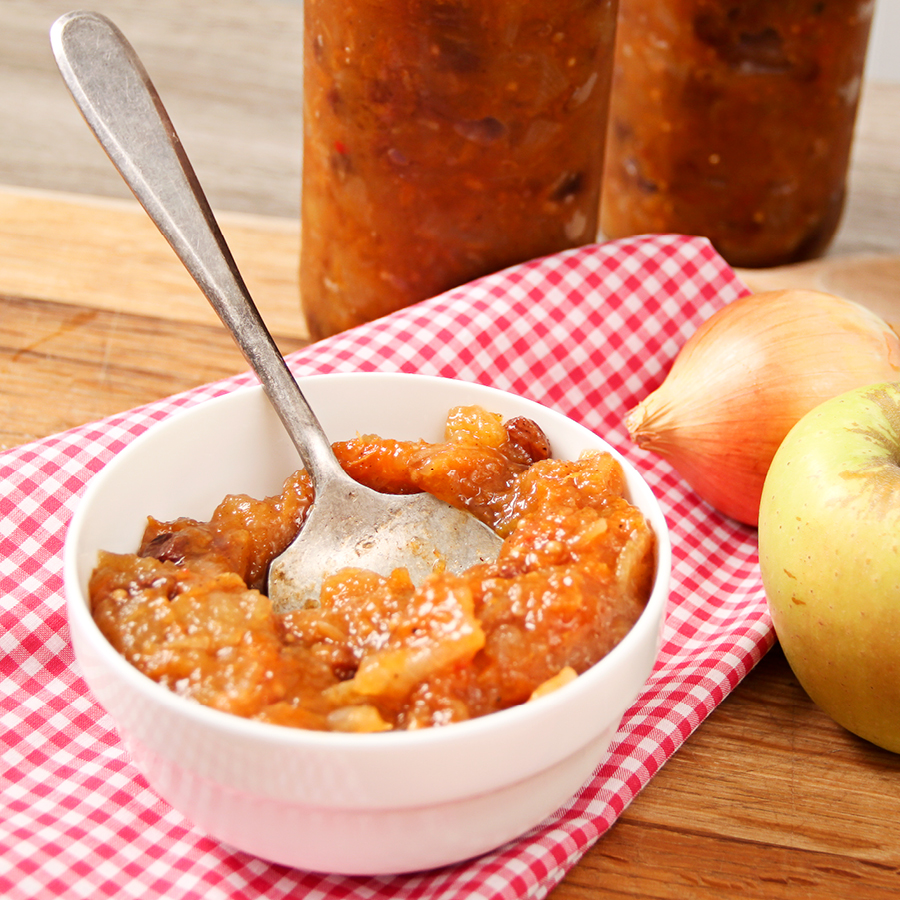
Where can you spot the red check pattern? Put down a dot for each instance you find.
(589, 332)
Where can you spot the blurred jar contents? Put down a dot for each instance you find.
(733, 119)
(444, 140)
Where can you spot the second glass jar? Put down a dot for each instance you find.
(733, 119)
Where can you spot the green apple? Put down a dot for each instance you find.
(829, 551)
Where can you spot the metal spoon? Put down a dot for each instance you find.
(347, 524)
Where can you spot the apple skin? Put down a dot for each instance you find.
(829, 550)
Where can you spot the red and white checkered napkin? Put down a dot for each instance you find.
(589, 332)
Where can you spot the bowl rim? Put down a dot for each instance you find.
(82, 624)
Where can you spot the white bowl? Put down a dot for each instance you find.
(330, 802)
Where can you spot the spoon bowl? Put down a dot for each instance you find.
(348, 525)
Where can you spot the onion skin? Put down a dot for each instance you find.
(747, 376)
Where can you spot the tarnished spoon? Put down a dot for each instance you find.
(348, 524)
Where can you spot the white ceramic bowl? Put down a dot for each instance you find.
(342, 803)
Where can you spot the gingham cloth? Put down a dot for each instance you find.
(588, 332)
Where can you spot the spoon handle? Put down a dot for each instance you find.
(122, 108)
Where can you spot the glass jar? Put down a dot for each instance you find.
(733, 119)
(444, 140)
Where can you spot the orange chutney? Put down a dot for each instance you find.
(574, 573)
(733, 119)
(444, 140)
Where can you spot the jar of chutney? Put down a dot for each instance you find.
(444, 140)
(734, 119)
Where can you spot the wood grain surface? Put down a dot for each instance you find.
(768, 799)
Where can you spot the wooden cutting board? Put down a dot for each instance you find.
(97, 315)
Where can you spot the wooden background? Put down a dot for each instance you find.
(768, 799)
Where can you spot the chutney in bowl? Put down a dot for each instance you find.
(386, 801)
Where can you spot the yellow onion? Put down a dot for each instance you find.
(746, 376)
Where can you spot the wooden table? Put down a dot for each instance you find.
(768, 798)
